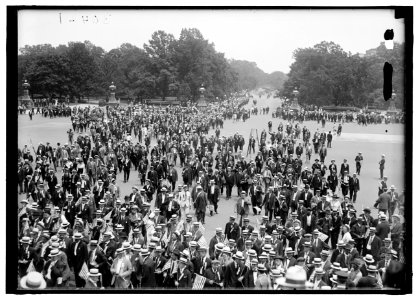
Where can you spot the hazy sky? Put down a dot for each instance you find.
(267, 37)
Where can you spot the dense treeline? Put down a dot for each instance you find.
(251, 77)
(164, 67)
(327, 75)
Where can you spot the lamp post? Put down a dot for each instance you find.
(25, 99)
(201, 103)
(295, 104)
(392, 102)
(112, 98)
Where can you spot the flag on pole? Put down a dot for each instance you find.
(107, 217)
(31, 267)
(84, 272)
(199, 282)
(248, 263)
(167, 265)
(322, 236)
(202, 242)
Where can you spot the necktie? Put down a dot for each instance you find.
(370, 241)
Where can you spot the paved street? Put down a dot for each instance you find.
(372, 141)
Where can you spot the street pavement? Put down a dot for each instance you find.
(372, 141)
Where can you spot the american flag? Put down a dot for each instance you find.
(107, 217)
(31, 267)
(167, 265)
(202, 242)
(248, 263)
(84, 272)
(199, 282)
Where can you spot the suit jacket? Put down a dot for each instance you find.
(292, 262)
(243, 209)
(184, 278)
(354, 184)
(306, 228)
(249, 279)
(232, 231)
(318, 246)
(382, 230)
(199, 266)
(81, 255)
(375, 246)
(124, 278)
(101, 261)
(367, 282)
(344, 260)
(213, 198)
(217, 277)
(84, 213)
(148, 273)
(308, 196)
(310, 257)
(232, 273)
(109, 250)
(201, 202)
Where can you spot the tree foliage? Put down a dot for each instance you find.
(165, 66)
(327, 75)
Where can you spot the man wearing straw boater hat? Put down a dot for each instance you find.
(121, 270)
(33, 281)
(184, 277)
(94, 280)
(214, 276)
(295, 279)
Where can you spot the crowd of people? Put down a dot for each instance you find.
(80, 230)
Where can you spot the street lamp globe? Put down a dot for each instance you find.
(202, 89)
(26, 85)
(112, 87)
(295, 92)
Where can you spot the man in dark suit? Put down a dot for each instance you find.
(146, 270)
(382, 228)
(354, 187)
(97, 260)
(160, 262)
(308, 221)
(247, 226)
(78, 255)
(307, 254)
(289, 260)
(306, 196)
(344, 167)
(184, 276)
(200, 204)
(338, 251)
(170, 207)
(214, 276)
(201, 263)
(213, 195)
(373, 245)
(232, 229)
(317, 244)
(83, 211)
(369, 281)
(234, 272)
(269, 202)
(215, 240)
(250, 277)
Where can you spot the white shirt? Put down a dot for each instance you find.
(118, 266)
(75, 248)
(308, 220)
(212, 189)
(255, 274)
(93, 256)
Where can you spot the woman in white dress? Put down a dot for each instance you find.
(345, 232)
